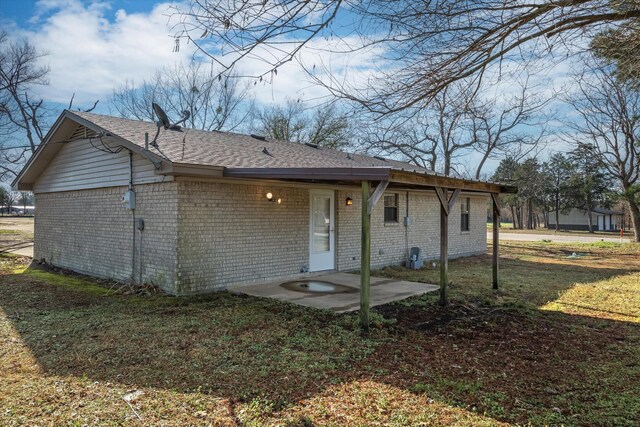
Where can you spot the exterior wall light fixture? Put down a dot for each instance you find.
(349, 201)
(271, 198)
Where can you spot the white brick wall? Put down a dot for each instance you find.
(389, 242)
(203, 236)
(230, 233)
(90, 231)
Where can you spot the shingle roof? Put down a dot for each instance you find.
(232, 150)
(607, 211)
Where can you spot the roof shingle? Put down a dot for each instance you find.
(232, 150)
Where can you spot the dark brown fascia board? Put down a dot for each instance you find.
(186, 169)
(324, 174)
(368, 174)
(412, 178)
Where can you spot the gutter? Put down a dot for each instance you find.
(320, 174)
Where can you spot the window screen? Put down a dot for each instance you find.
(464, 214)
(391, 208)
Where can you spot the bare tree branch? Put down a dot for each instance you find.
(213, 102)
(423, 46)
(609, 120)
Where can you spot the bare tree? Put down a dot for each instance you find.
(10, 197)
(458, 121)
(430, 44)
(609, 118)
(21, 114)
(25, 198)
(325, 126)
(329, 127)
(514, 127)
(433, 137)
(214, 102)
(409, 139)
(285, 122)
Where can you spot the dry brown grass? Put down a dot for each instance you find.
(558, 344)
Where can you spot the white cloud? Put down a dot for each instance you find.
(328, 62)
(93, 49)
(91, 52)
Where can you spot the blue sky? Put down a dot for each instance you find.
(95, 47)
(21, 11)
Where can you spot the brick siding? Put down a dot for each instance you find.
(390, 242)
(230, 233)
(202, 236)
(91, 232)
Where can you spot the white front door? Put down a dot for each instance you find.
(321, 230)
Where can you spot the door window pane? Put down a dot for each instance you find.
(321, 224)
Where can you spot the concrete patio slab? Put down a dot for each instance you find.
(383, 291)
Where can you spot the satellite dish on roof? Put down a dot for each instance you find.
(164, 122)
(162, 116)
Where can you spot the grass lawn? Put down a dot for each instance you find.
(558, 344)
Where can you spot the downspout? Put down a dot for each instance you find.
(133, 221)
(406, 229)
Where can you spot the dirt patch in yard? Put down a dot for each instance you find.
(15, 232)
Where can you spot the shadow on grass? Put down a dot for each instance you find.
(491, 353)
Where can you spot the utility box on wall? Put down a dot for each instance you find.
(129, 199)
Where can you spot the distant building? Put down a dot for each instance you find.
(577, 219)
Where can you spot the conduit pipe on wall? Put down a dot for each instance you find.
(406, 229)
(133, 221)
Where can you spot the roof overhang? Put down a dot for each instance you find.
(55, 139)
(190, 170)
(67, 123)
(396, 178)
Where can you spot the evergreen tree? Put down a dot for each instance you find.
(588, 184)
(558, 171)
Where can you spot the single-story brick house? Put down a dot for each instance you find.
(578, 219)
(200, 211)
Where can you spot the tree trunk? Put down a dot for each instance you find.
(481, 164)
(589, 219)
(521, 218)
(635, 218)
(513, 216)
